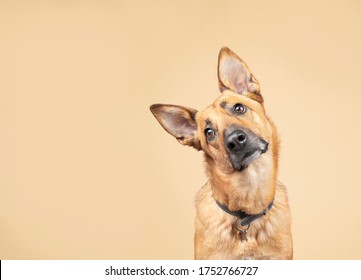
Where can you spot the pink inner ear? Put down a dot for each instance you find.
(180, 125)
(178, 121)
(233, 74)
(241, 88)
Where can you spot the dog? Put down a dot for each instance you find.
(242, 212)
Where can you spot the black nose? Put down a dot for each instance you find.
(236, 141)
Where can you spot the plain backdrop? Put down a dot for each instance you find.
(86, 172)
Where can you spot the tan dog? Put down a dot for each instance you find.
(242, 211)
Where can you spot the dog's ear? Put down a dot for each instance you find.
(178, 121)
(234, 75)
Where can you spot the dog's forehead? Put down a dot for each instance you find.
(229, 98)
(219, 113)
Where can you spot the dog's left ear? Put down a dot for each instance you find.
(178, 121)
(234, 75)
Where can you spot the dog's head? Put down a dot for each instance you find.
(234, 131)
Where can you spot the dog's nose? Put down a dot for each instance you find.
(236, 141)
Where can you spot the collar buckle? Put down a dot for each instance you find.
(246, 219)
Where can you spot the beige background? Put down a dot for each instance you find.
(86, 172)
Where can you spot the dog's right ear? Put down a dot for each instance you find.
(178, 121)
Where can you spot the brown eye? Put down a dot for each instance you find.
(239, 109)
(210, 133)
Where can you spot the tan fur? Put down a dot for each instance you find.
(250, 190)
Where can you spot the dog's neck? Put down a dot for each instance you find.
(250, 190)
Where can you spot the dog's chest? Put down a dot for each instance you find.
(222, 241)
(242, 248)
(217, 237)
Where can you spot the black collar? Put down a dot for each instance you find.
(245, 218)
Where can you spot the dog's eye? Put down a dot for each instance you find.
(210, 133)
(239, 109)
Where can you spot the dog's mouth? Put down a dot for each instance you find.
(242, 163)
(243, 147)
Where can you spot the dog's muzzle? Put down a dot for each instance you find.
(243, 147)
